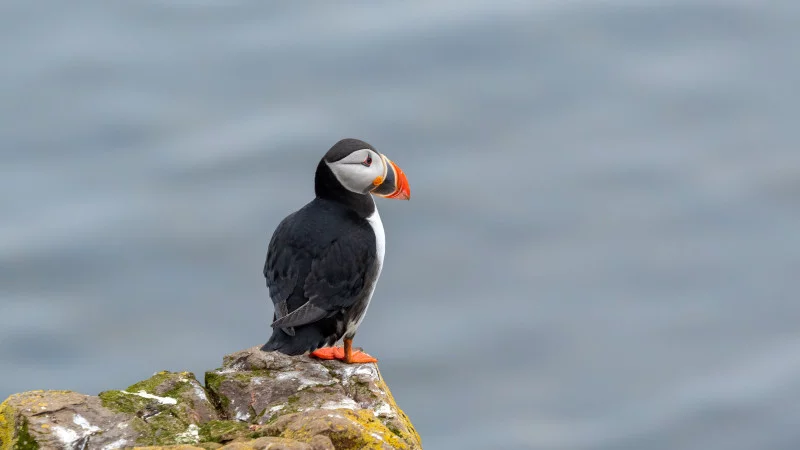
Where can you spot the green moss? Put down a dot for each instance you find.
(14, 435)
(213, 381)
(259, 434)
(129, 402)
(121, 402)
(222, 431)
(164, 428)
(156, 422)
(158, 384)
(24, 439)
(151, 384)
(394, 430)
(246, 377)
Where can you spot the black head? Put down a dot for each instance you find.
(344, 148)
(352, 170)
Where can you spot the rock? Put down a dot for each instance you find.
(333, 399)
(270, 443)
(255, 401)
(59, 419)
(165, 409)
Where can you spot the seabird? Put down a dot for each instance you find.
(324, 260)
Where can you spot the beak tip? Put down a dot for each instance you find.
(402, 192)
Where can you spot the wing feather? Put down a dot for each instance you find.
(310, 280)
(307, 313)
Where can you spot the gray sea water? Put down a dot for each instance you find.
(601, 250)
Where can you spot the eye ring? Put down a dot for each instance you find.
(367, 162)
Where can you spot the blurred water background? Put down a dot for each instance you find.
(601, 250)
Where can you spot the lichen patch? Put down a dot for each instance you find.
(384, 410)
(190, 436)
(345, 403)
(302, 379)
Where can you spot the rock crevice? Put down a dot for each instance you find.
(256, 400)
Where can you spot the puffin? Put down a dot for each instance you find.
(324, 260)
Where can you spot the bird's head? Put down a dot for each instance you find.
(361, 169)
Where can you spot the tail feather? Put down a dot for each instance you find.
(305, 339)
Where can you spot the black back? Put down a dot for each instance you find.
(323, 254)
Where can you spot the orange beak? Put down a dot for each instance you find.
(394, 184)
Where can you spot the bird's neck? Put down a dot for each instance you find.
(327, 187)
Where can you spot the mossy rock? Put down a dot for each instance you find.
(180, 392)
(59, 419)
(15, 434)
(345, 428)
(168, 408)
(261, 388)
(256, 401)
(223, 431)
(165, 409)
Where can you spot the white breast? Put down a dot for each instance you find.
(380, 249)
(380, 238)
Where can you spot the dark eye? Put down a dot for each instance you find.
(367, 162)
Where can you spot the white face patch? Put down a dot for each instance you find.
(353, 172)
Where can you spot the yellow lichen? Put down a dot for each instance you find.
(170, 447)
(6, 425)
(365, 431)
(13, 434)
(401, 415)
(368, 420)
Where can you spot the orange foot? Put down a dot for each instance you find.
(328, 353)
(345, 354)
